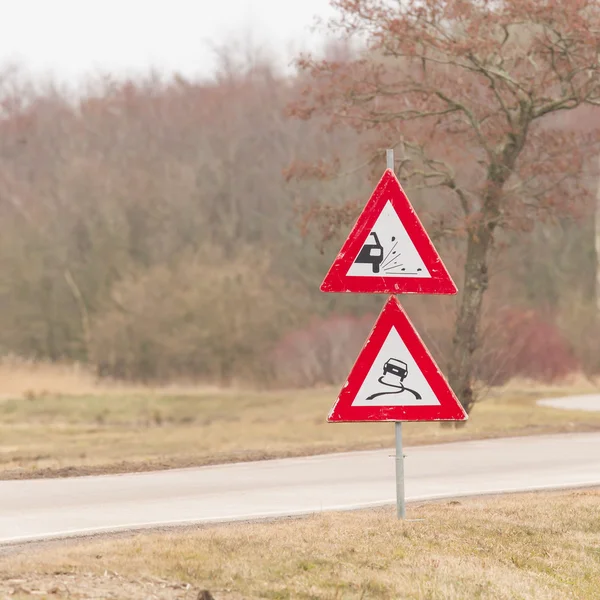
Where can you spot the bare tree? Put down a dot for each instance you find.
(473, 89)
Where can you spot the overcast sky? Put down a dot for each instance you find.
(71, 39)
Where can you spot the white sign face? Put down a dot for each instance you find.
(388, 250)
(395, 379)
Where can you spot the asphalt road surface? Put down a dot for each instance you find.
(589, 402)
(38, 509)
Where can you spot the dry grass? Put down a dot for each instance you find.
(57, 435)
(29, 379)
(19, 377)
(528, 547)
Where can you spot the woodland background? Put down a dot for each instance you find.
(152, 230)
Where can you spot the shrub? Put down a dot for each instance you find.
(523, 343)
(321, 353)
(204, 318)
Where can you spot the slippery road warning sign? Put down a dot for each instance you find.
(388, 251)
(395, 378)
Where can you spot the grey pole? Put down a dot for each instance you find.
(400, 504)
(389, 154)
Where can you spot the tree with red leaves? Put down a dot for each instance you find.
(475, 94)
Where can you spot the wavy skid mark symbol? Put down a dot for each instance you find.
(399, 389)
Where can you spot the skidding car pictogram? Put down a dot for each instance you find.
(394, 374)
(396, 367)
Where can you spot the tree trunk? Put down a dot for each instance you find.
(464, 344)
(479, 242)
(83, 312)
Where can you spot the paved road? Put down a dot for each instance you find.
(40, 509)
(589, 402)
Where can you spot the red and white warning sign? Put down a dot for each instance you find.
(395, 378)
(388, 250)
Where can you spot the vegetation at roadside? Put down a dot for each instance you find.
(164, 229)
(45, 435)
(527, 546)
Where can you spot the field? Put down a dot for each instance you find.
(527, 546)
(60, 422)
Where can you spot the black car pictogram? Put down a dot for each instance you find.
(396, 367)
(371, 253)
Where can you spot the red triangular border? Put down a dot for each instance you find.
(337, 280)
(449, 408)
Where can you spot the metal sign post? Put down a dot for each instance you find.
(389, 154)
(400, 504)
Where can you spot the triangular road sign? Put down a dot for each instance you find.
(388, 251)
(395, 378)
